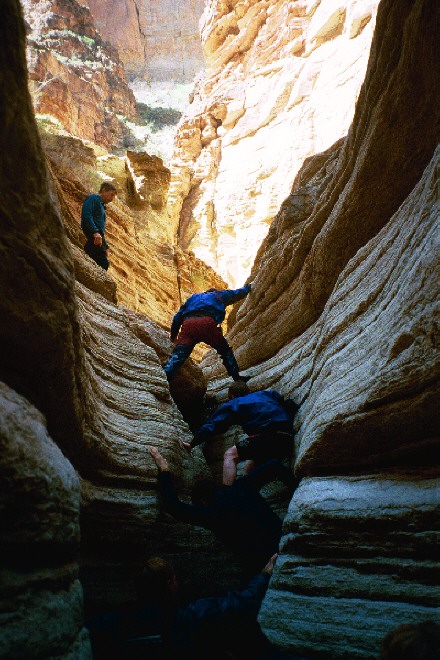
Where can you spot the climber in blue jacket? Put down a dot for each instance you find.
(267, 419)
(198, 320)
(93, 221)
(157, 628)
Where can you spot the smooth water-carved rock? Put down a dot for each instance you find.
(357, 559)
(41, 596)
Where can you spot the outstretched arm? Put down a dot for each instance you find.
(231, 296)
(204, 610)
(175, 325)
(196, 515)
(219, 422)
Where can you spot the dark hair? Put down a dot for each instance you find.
(153, 579)
(106, 185)
(239, 388)
(203, 491)
(412, 641)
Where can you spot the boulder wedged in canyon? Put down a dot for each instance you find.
(280, 85)
(76, 77)
(41, 595)
(155, 40)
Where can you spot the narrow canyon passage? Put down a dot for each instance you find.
(305, 162)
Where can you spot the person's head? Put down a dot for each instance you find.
(202, 493)
(412, 641)
(238, 388)
(107, 191)
(156, 582)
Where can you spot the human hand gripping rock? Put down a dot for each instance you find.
(160, 461)
(268, 569)
(185, 445)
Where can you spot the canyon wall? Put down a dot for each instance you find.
(341, 316)
(76, 77)
(156, 39)
(280, 85)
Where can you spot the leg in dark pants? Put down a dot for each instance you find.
(178, 357)
(98, 255)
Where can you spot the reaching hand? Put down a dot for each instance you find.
(185, 445)
(270, 564)
(160, 461)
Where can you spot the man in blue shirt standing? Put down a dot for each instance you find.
(267, 419)
(93, 223)
(198, 320)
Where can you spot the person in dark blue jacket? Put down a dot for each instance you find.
(267, 419)
(237, 514)
(198, 320)
(93, 220)
(158, 629)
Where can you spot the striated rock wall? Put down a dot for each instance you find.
(280, 85)
(76, 77)
(343, 317)
(156, 39)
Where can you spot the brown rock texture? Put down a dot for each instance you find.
(76, 77)
(40, 592)
(280, 85)
(341, 316)
(156, 39)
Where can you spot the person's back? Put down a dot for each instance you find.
(198, 320)
(244, 521)
(237, 514)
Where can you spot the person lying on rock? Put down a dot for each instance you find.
(198, 320)
(158, 629)
(237, 514)
(93, 220)
(267, 419)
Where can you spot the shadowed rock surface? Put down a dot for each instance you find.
(341, 316)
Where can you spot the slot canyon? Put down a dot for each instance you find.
(300, 154)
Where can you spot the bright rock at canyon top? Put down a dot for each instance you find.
(280, 85)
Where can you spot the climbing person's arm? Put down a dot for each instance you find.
(272, 470)
(170, 500)
(175, 325)
(246, 601)
(219, 422)
(231, 296)
(87, 217)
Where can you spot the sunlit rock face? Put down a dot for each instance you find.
(342, 317)
(147, 272)
(76, 77)
(156, 39)
(280, 85)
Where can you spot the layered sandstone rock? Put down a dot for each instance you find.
(148, 273)
(156, 40)
(76, 77)
(281, 84)
(342, 316)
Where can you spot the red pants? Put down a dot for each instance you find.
(202, 328)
